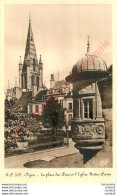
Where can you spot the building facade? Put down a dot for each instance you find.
(36, 104)
(63, 93)
(31, 71)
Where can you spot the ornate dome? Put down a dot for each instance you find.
(90, 63)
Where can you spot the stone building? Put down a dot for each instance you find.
(35, 106)
(30, 74)
(63, 93)
(17, 92)
(31, 71)
(92, 97)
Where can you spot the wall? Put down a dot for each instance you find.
(18, 92)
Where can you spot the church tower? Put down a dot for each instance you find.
(31, 75)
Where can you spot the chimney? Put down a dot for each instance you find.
(52, 81)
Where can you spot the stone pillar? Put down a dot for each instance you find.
(98, 102)
(87, 133)
(76, 108)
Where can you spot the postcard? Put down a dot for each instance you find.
(58, 92)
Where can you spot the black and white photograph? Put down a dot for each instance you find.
(58, 86)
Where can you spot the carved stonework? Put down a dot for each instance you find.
(100, 129)
(91, 129)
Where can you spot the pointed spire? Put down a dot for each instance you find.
(29, 18)
(40, 63)
(88, 45)
(40, 60)
(20, 62)
(30, 50)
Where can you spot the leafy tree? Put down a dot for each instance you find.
(8, 112)
(53, 114)
(9, 115)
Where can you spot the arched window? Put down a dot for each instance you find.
(37, 82)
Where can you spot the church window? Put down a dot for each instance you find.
(88, 108)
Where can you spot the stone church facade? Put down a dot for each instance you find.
(31, 71)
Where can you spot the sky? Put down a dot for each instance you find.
(60, 35)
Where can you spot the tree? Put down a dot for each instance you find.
(9, 115)
(54, 114)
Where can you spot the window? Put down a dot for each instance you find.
(37, 82)
(36, 108)
(70, 106)
(30, 109)
(88, 108)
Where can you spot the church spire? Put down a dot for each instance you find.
(30, 50)
(88, 45)
(40, 63)
(20, 62)
(29, 18)
(40, 60)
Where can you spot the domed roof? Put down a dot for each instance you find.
(90, 63)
